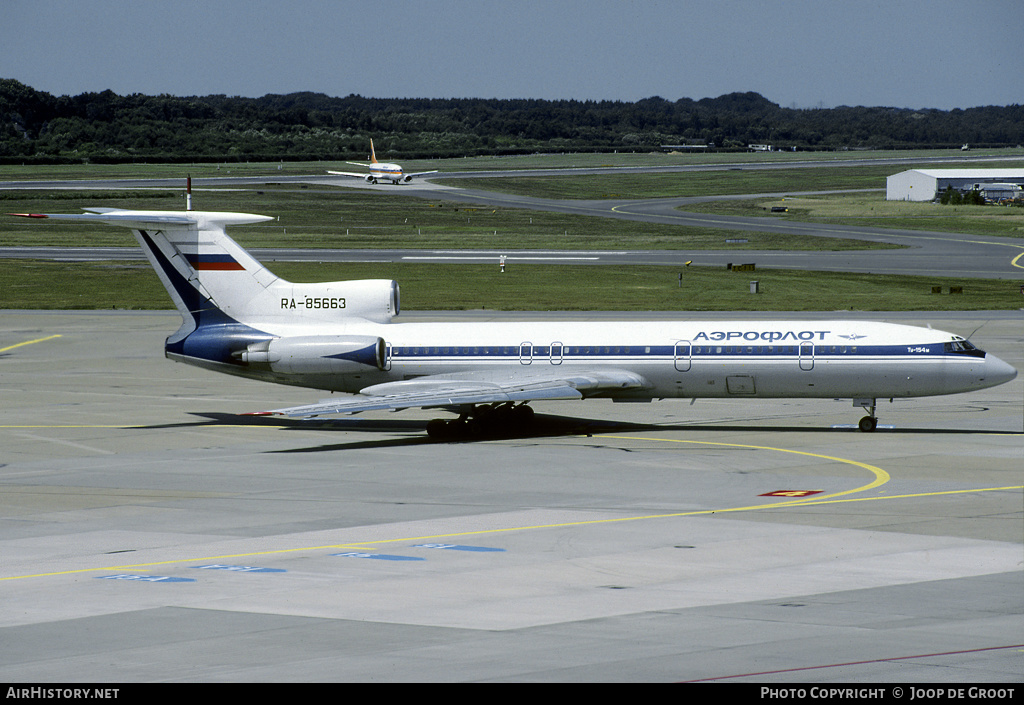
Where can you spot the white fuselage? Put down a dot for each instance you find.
(848, 359)
(392, 172)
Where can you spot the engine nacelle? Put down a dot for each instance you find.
(370, 179)
(407, 178)
(317, 354)
(376, 300)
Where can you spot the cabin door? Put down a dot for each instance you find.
(557, 350)
(806, 356)
(525, 353)
(681, 355)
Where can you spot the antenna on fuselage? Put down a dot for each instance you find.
(968, 337)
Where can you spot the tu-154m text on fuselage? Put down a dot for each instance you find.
(381, 172)
(241, 319)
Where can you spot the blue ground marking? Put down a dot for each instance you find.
(455, 547)
(146, 578)
(239, 568)
(853, 425)
(379, 556)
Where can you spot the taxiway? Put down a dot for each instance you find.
(149, 534)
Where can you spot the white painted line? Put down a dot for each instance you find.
(491, 258)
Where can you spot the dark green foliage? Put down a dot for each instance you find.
(105, 127)
(974, 198)
(952, 197)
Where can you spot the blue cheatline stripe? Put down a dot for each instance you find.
(639, 353)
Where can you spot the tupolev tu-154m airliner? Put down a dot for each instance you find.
(241, 319)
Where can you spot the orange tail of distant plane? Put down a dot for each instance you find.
(373, 155)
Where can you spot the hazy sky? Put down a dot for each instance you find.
(797, 53)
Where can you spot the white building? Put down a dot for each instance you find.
(928, 184)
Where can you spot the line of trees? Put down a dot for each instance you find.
(37, 126)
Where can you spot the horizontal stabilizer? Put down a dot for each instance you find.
(146, 219)
(115, 218)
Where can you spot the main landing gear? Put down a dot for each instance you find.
(502, 419)
(870, 422)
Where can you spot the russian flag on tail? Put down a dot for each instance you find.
(213, 263)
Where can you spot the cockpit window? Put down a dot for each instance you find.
(963, 347)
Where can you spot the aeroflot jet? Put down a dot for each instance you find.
(378, 171)
(341, 336)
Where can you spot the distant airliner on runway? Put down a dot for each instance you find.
(378, 171)
(240, 319)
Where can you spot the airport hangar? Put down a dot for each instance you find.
(927, 184)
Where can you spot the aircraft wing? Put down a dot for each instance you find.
(422, 173)
(435, 391)
(363, 175)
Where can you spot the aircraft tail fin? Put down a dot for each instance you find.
(373, 154)
(221, 291)
(226, 297)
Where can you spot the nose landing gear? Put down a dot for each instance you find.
(870, 422)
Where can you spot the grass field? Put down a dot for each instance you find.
(528, 161)
(358, 218)
(873, 210)
(842, 208)
(348, 219)
(669, 185)
(119, 285)
(784, 175)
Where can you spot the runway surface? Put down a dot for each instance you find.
(149, 534)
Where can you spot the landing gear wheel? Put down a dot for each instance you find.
(522, 415)
(492, 421)
(437, 428)
(868, 424)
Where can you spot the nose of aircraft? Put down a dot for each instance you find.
(997, 371)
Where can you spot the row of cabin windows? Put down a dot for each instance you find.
(517, 350)
(586, 350)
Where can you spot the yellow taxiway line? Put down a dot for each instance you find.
(29, 342)
(880, 478)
